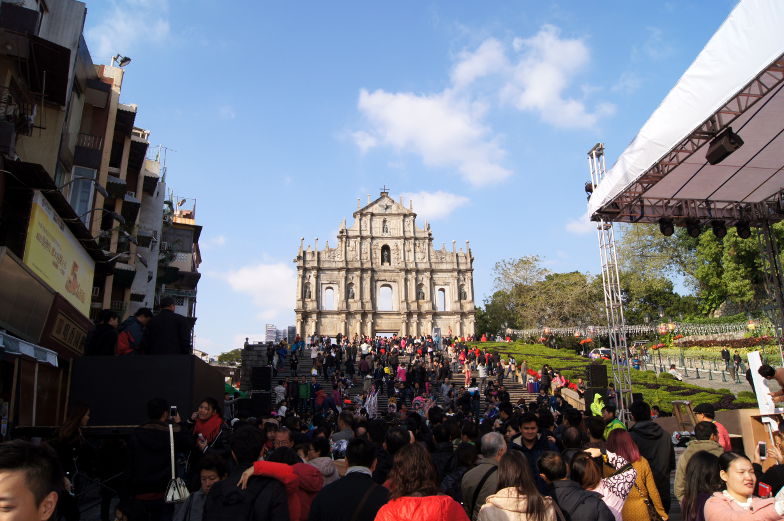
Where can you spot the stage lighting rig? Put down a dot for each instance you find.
(693, 228)
(719, 228)
(666, 226)
(743, 229)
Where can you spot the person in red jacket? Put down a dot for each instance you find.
(415, 492)
(302, 481)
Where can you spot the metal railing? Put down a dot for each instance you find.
(90, 141)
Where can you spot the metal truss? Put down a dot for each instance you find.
(774, 283)
(613, 301)
(632, 206)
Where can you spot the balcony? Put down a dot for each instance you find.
(88, 152)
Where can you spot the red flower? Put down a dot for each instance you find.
(542, 339)
(586, 341)
(677, 337)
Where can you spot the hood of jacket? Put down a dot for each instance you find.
(432, 508)
(709, 445)
(510, 500)
(325, 465)
(310, 478)
(649, 430)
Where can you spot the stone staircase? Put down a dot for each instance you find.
(516, 389)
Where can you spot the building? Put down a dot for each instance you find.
(384, 276)
(275, 335)
(57, 107)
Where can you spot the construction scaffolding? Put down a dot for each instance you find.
(613, 301)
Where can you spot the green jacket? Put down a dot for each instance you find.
(615, 424)
(304, 391)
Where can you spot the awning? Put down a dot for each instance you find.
(18, 347)
(736, 81)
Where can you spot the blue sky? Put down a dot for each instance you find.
(282, 114)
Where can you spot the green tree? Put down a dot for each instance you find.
(231, 357)
(509, 273)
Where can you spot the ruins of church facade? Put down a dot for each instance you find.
(384, 276)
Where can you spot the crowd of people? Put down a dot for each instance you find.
(325, 457)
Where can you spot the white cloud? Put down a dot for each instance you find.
(271, 286)
(226, 112)
(627, 83)
(449, 128)
(582, 225)
(434, 205)
(544, 71)
(444, 129)
(127, 23)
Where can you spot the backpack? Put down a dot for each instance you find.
(233, 504)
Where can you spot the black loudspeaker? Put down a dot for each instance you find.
(723, 145)
(590, 393)
(637, 397)
(117, 388)
(597, 376)
(261, 378)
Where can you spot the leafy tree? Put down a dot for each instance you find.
(510, 273)
(231, 357)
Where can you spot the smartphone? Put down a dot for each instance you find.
(763, 449)
(173, 411)
(764, 490)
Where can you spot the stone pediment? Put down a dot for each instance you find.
(384, 205)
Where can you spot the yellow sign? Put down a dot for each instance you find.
(55, 255)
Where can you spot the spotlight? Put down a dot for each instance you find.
(122, 61)
(588, 187)
(666, 227)
(719, 228)
(693, 228)
(722, 146)
(743, 229)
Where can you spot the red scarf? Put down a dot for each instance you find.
(209, 428)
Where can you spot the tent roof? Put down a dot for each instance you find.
(736, 81)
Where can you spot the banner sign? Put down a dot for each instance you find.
(55, 255)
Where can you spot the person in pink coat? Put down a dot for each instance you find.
(736, 502)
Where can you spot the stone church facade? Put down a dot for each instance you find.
(384, 276)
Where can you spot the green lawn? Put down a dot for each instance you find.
(656, 390)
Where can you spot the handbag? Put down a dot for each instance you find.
(176, 491)
(653, 514)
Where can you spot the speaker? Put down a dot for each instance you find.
(261, 378)
(722, 146)
(117, 388)
(597, 376)
(637, 397)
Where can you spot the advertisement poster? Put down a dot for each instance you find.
(54, 254)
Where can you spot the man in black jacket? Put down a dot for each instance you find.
(167, 333)
(149, 459)
(264, 499)
(355, 496)
(656, 446)
(576, 503)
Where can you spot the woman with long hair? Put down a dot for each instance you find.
(415, 494)
(77, 457)
(615, 488)
(517, 498)
(644, 491)
(702, 480)
(737, 502)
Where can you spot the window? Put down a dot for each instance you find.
(386, 255)
(82, 190)
(179, 301)
(385, 298)
(441, 300)
(328, 301)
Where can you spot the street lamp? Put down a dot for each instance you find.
(121, 61)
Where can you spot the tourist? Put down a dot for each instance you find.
(675, 373)
(701, 480)
(414, 490)
(533, 443)
(482, 480)
(31, 481)
(212, 469)
(613, 489)
(77, 457)
(725, 355)
(354, 497)
(263, 499)
(644, 492)
(737, 501)
(517, 498)
(706, 412)
(131, 332)
(465, 457)
(656, 446)
(167, 333)
(610, 420)
(576, 503)
(101, 340)
(706, 440)
(319, 454)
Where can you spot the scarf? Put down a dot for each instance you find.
(210, 428)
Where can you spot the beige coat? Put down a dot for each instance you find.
(508, 505)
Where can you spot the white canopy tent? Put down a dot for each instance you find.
(736, 82)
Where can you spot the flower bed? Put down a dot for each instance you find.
(659, 390)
